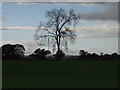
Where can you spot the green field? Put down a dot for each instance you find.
(60, 74)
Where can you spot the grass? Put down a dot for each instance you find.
(60, 74)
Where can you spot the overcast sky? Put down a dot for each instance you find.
(97, 30)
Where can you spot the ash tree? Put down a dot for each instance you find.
(56, 30)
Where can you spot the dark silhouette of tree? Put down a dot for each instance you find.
(59, 54)
(12, 51)
(82, 53)
(101, 54)
(19, 49)
(114, 54)
(40, 53)
(94, 56)
(57, 28)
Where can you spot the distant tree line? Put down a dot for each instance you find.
(17, 52)
(83, 55)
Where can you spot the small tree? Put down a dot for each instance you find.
(57, 28)
(41, 53)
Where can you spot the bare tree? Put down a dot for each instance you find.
(57, 28)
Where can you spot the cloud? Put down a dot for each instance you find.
(110, 14)
(60, 3)
(83, 32)
(60, 0)
(85, 4)
(26, 2)
(98, 28)
(18, 28)
(93, 32)
(21, 28)
(7, 42)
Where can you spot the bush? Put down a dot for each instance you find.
(59, 54)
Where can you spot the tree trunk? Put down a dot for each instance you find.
(58, 38)
(58, 46)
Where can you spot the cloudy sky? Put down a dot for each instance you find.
(97, 30)
(60, 0)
